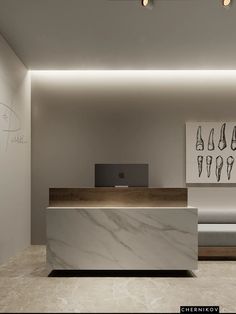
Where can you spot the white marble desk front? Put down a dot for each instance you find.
(129, 238)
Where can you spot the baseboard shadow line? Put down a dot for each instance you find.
(122, 273)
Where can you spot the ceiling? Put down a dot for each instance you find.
(120, 34)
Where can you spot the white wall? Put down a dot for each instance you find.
(83, 118)
(14, 153)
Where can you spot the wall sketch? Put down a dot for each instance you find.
(210, 152)
(199, 140)
(219, 166)
(233, 140)
(9, 120)
(211, 144)
(199, 164)
(230, 162)
(222, 142)
(208, 165)
(10, 127)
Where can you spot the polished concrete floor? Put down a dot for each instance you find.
(25, 287)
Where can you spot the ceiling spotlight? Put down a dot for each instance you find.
(145, 3)
(226, 2)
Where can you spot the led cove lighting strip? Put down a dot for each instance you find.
(147, 78)
(137, 75)
(132, 71)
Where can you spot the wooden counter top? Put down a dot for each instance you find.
(117, 197)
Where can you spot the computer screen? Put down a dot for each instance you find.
(130, 175)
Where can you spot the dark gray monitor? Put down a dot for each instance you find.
(111, 175)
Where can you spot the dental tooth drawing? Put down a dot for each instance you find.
(199, 142)
(219, 166)
(208, 165)
(233, 140)
(222, 142)
(230, 163)
(211, 152)
(199, 164)
(211, 144)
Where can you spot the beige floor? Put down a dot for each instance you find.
(24, 287)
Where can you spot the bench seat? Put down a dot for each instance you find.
(217, 234)
(226, 216)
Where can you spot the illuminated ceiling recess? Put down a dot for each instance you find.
(146, 3)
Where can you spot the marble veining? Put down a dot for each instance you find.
(122, 238)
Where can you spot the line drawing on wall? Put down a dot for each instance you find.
(200, 164)
(219, 166)
(233, 140)
(222, 142)
(230, 163)
(199, 140)
(9, 121)
(208, 165)
(210, 152)
(211, 144)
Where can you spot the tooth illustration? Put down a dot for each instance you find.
(219, 166)
(199, 142)
(211, 144)
(230, 163)
(222, 142)
(208, 165)
(233, 141)
(199, 163)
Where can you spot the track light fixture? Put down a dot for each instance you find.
(145, 3)
(225, 3)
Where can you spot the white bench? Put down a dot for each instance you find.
(217, 232)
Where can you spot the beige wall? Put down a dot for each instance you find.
(14, 154)
(79, 119)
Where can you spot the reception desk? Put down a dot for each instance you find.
(113, 229)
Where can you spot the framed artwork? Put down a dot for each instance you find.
(211, 152)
